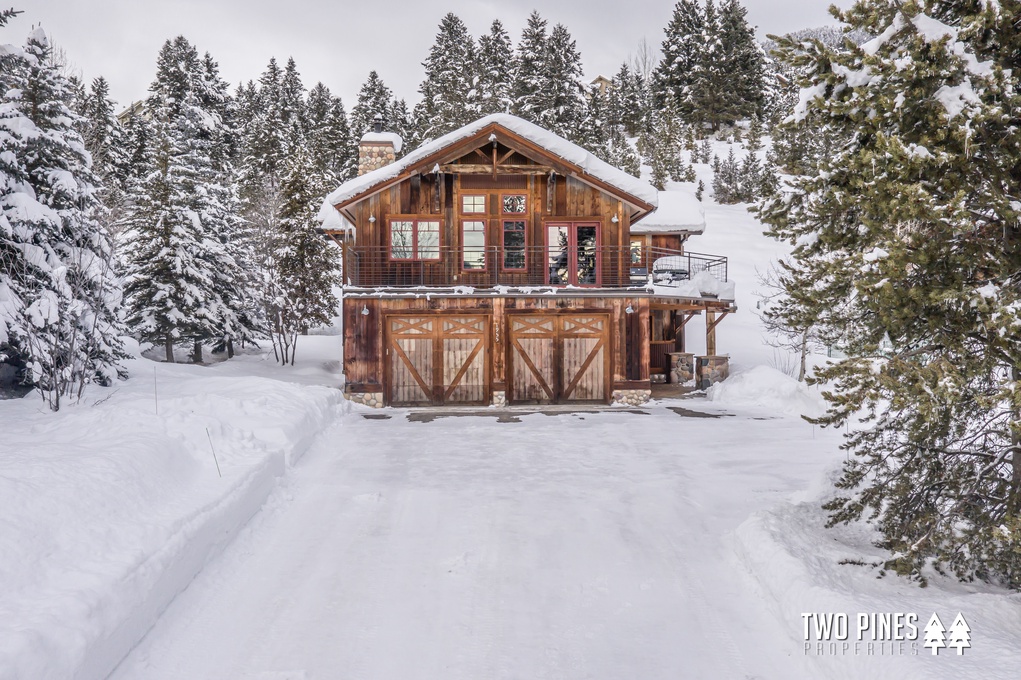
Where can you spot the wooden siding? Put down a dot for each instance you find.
(626, 345)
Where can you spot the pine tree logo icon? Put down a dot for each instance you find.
(960, 634)
(935, 634)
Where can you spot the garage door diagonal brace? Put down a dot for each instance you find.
(464, 369)
(533, 369)
(427, 389)
(584, 367)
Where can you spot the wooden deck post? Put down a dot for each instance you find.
(710, 333)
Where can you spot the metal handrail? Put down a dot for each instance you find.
(490, 266)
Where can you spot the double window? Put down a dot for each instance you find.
(512, 225)
(414, 239)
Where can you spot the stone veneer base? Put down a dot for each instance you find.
(630, 397)
(372, 399)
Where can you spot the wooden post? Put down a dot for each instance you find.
(710, 333)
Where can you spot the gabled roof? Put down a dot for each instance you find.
(511, 131)
(679, 212)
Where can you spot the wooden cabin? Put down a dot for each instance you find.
(502, 264)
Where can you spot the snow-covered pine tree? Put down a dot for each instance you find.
(401, 124)
(746, 61)
(727, 179)
(449, 92)
(495, 70)
(106, 141)
(304, 264)
(628, 100)
(374, 98)
(563, 90)
(529, 70)
(329, 138)
(911, 231)
(58, 288)
(682, 48)
(292, 103)
(184, 248)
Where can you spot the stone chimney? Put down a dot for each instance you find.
(377, 148)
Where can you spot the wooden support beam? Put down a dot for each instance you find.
(714, 324)
(479, 169)
(710, 333)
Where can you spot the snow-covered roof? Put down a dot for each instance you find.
(554, 144)
(383, 138)
(679, 211)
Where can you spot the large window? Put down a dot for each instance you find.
(514, 230)
(514, 244)
(412, 239)
(473, 244)
(572, 254)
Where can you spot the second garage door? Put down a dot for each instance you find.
(559, 358)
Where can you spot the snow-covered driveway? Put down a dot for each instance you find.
(591, 545)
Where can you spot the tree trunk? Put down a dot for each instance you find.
(230, 348)
(1014, 504)
(168, 343)
(196, 353)
(804, 356)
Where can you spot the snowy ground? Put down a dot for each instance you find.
(661, 544)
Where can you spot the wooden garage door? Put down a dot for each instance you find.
(437, 359)
(559, 358)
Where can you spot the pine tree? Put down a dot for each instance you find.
(563, 90)
(373, 98)
(57, 292)
(682, 50)
(910, 230)
(329, 138)
(304, 264)
(185, 252)
(530, 69)
(449, 94)
(106, 141)
(495, 71)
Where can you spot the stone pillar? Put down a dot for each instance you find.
(711, 370)
(682, 367)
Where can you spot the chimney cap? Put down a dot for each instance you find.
(377, 123)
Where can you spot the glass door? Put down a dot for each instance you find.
(572, 254)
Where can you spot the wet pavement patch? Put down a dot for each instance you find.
(376, 416)
(688, 413)
(513, 416)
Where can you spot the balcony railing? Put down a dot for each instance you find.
(482, 267)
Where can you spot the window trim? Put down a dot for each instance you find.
(414, 219)
(485, 241)
(503, 244)
(519, 192)
(472, 194)
(572, 249)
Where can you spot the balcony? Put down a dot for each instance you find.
(532, 266)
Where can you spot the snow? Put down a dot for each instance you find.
(384, 138)
(110, 509)
(679, 211)
(556, 145)
(957, 98)
(767, 388)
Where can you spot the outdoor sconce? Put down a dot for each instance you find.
(372, 218)
(629, 309)
(365, 310)
(614, 219)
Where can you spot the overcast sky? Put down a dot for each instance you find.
(340, 41)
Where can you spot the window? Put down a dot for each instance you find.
(473, 204)
(513, 204)
(572, 255)
(414, 239)
(473, 244)
(513, 244)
